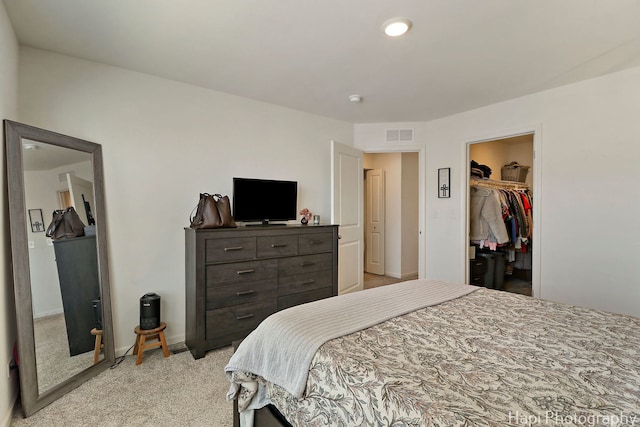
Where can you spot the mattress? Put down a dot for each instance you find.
(488, 358)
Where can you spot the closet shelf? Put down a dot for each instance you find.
(493, 183)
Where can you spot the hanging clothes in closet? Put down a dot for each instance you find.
(501, 215)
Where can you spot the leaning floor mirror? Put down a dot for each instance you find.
(61, 277)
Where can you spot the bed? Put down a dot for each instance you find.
(465, 356)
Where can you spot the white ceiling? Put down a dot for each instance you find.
(311, 55)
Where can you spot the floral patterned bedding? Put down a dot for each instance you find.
(486, 359)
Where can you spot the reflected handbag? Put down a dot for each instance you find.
(66, 224)
(212, 213)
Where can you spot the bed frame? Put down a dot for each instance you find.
(268, 416)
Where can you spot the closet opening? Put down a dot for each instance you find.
(500, 212)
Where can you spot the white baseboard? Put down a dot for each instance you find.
(48, 313)
(413, 275)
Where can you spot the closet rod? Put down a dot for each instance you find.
(492, 183)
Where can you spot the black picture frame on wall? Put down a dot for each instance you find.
(36, 220)
(444, 183)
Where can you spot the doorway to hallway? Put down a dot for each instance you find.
(391, 211)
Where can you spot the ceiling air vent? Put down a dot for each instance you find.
(399, 135)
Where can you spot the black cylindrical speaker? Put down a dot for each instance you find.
(150, 311)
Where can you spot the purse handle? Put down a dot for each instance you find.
(197, 208)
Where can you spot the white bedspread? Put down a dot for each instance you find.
(280, 350)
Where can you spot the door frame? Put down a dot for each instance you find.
(536, 130)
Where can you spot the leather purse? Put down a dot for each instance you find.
(212, 213)
(224, 209)
(65, 224)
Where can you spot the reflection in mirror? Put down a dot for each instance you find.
(64, 273)
(60, 282)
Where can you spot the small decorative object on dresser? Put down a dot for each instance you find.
(235, 278)
(306, 216)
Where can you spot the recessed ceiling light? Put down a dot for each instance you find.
(30, 146)
(396, 27)
(355, 98)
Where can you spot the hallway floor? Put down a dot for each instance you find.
(375, 280)
(511, 284)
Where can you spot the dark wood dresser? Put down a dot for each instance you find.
(77, 262)
(236, 277)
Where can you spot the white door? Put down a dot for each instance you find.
(346, 211)
(374, 213)
(79, 188)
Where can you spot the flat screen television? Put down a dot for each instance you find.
(264, 200)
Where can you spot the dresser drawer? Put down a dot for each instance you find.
(241, 293)
(304, 282)
(304, 264)
(240, 272)
(276, 246)
(315, 243)
(234, 249)
(237, 318)
(287, 301)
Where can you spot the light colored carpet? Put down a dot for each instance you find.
(160, 392)
(53, 360)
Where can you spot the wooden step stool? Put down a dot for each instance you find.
(142, 335)
(99, 345)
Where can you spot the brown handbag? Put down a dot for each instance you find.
(212, 213)
(66, 224)
(224, 209)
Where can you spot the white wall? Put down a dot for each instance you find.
(8, 110)
(163, 143)
(589, 176)
(410, 218)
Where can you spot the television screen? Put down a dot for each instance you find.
(264, 200)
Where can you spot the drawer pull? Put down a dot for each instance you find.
(307, 264)
(307, 282)
(314, 242)
(234, 248)
(244, 293)
(246, 316)
(239, 272)
(278, 245)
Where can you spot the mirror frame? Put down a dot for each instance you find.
(31, 399)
